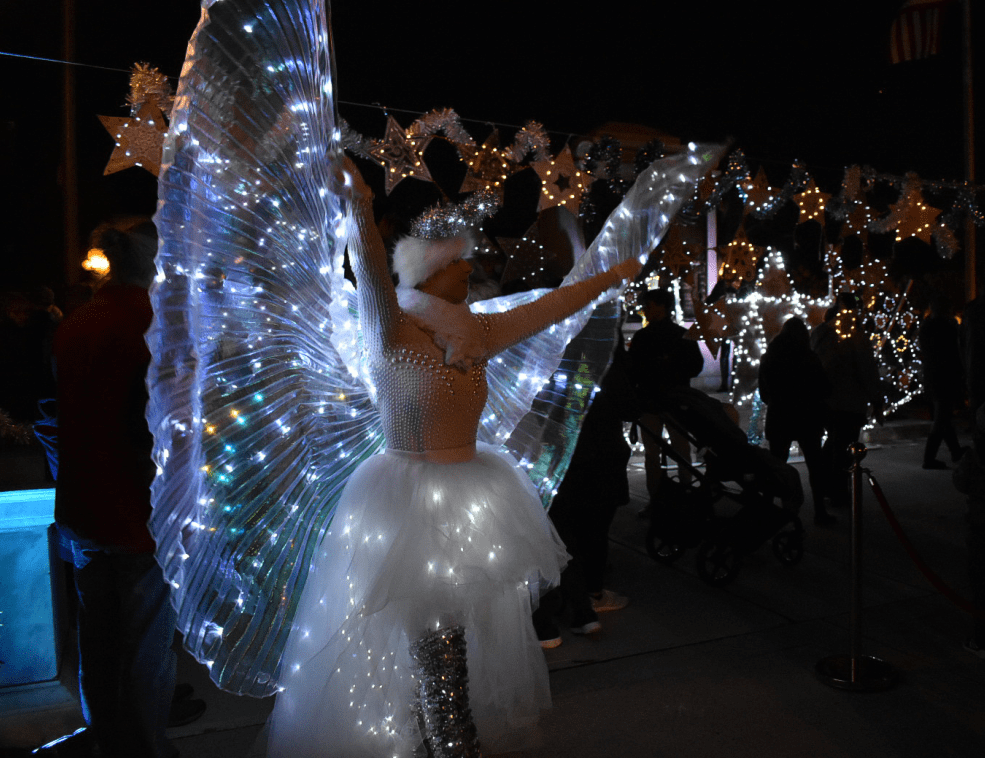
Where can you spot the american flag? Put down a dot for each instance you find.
(916, 31)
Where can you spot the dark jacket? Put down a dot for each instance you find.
(663, 359)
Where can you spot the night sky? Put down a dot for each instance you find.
(784, 81)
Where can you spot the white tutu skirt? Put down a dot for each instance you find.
(415, 546)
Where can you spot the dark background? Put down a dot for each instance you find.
(785, 81)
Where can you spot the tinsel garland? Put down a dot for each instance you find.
(647, 154)
(451, 220)
(354, 142)
(20, 434)
(603, 160)
(531, 140)
(148, 85)
(443, 122)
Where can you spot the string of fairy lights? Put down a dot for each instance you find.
(567, 182)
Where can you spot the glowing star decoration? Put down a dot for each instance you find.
(527, 260)
(910, 216)
(858, 221)
(740, 258)
(400, 153)
(139, 139)
(678, 257)
(489, 167)
(917, 219)
(758, 193)
(562, 183)
(812, 203)
(712, 325)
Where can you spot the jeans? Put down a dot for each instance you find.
(126, 662)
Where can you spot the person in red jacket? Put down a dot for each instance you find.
(102, 505)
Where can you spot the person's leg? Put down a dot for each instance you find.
(678, 441)
(843, 429)
(651, 428)
(149, 662)
(99, 623)
(935, 436)
(780, 447)
(810, 446)
(443, 694)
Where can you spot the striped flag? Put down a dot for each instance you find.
(916, 31)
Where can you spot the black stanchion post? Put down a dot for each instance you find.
(856, 672)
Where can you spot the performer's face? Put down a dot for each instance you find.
(450, 283)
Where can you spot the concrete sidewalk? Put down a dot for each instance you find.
(692, 670)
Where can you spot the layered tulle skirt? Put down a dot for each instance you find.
(415, 546)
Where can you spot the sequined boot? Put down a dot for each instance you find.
(443, 694)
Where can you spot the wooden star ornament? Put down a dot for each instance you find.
(489, 167)
(811, 203)
(562, 183)
(139, 139)
(527, 259)
(916, 218)
(401, 154)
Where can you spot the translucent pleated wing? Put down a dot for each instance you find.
(257, 407)
(541, 388)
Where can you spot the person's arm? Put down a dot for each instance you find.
(378, 308)
(515, 325)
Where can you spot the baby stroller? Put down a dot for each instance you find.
(738, 477)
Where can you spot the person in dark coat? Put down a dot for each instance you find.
(843, 346)
(662, 359)
(940, 356)
(594, 486)
(794, 387)
(126, 622)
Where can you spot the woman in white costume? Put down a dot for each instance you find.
(434, 553)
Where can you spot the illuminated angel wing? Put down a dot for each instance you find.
(540, 389)
(257, 411)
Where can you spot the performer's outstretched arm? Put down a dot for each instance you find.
(378, 308)
(515, 325)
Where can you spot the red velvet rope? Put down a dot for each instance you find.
(939, 584)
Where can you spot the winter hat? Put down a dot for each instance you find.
(415, 259)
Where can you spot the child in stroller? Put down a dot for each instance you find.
(685, 515)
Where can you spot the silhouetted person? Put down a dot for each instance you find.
(586, 501)
(940, 357)
(856, 390)
(102, 505)
(969, 478)
(662, 359)
(973, 348)
(794, 387)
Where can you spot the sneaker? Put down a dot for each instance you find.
(182, 691)
(591, 629)
(607, 600)
(934, 465)
(974, 648)
(79, 744)
(185, 712)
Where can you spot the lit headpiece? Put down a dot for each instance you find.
(441, 235)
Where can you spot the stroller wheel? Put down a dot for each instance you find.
(661, 550)
(718, 563)
(788, 546)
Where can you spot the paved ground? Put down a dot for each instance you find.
(692, 670)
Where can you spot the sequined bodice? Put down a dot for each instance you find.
(426, 404)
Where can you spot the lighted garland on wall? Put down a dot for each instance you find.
(566, 181)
